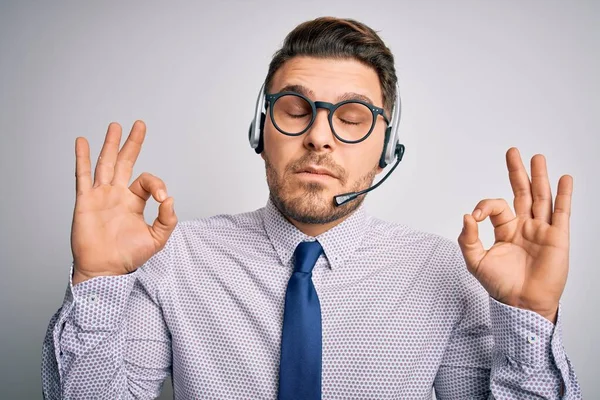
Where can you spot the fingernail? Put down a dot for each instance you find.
(161, 195)
(173, 206)
(477, 213)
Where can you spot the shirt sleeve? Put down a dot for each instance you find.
(528, 357)
(108, 340)
(496, 351)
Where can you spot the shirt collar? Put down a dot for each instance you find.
(339, 242)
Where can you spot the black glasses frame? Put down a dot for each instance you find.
(375, 111)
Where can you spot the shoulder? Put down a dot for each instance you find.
(198, 237)
(416, 248)
(426, 256)
(220, 224)
(411, 239)
(218, 233)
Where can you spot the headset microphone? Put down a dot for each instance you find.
(342, 199)
(391, 146)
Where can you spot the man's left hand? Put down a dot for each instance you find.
(528, 264)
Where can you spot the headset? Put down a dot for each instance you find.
(392, 149)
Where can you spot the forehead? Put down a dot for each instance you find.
(329, 78)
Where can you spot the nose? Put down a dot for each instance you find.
(319, 137)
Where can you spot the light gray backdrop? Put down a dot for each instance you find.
(476, 78)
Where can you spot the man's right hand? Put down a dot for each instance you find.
(109, 235)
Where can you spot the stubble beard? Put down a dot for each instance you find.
(312, 205)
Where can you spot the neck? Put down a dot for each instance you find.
(314, 230)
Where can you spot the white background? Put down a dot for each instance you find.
(476, 78)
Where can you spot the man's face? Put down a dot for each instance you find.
(291, 161)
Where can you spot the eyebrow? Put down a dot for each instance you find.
(309, 93)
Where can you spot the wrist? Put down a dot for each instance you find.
(550, 313)
(551, 316)
(79, 276)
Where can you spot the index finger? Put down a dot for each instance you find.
(129, 153)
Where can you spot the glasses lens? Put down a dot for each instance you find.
(352, 121)
(292, 114)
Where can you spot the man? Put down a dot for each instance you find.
(304, 298)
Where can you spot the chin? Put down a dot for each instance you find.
(312, 206)
(309, 199)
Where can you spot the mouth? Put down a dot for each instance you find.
(312, 171)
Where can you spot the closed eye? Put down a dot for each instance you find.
(349, 122)
(297, 115)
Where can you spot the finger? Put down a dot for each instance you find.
(470, 244)
(83, 167)
(147, 185)
(129, 153)
(540, 189)
(562, 206)
(519, 181)
(164, 224)
(105, 166)
(497, 209)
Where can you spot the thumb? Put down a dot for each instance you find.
(470, 244)
(165, 222)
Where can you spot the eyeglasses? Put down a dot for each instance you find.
(351, 121)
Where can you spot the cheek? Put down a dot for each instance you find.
(367, 157)
(277, 149)
(271, 141)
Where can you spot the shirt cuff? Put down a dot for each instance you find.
(98, 303)
(525, 336)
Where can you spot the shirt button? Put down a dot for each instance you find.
(532, 339)
(93, 298)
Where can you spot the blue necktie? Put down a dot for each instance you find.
(301, 346)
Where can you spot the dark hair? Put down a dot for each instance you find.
(330, 37)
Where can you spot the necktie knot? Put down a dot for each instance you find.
(306, 255)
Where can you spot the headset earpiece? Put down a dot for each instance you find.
(250, 132)
(261, 129)
(255, 133)
(260, 142)
(382, 162)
